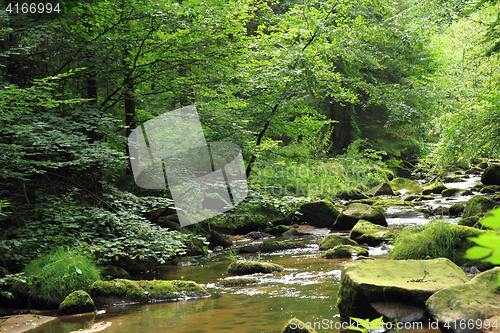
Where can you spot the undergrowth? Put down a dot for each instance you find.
(51, 277)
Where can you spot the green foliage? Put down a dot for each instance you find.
(368, 326)
(488, 244)
(55, 275)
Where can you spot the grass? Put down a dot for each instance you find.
(437, 239)
(54, 276)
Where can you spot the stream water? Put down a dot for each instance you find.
(306, 289)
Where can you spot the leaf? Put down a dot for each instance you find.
(491, 240)
(477, 252)
(492, 221)
(494, 258)
(78, 270)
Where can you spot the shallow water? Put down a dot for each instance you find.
(307, 289)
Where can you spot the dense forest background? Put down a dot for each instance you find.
(323, 97)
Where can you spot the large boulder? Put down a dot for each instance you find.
(170, 290)
(491, 176)
(321, 214)
(243, 267)
(382, 189)
(435, 188)
(333, 240)
(398, 284)
(358, 211)
(478, 205)
(399, 184)
(464, 303)
(370, 233)
(77, 302)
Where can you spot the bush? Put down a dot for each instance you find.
(53, 276)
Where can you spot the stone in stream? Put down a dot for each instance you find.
(435, 188)
(449, 192)
(418, 197)
(218, 239)
(477, 299)
(320, 214)
(77, 302)
(358, 211)
(470, 221)
(490, 189)
(406, 282)
(370, 233)
(478, 205)
(122, 291)
(382, 189)
(243, 267)
(111, 272)
(407, 184)
(345, 251)
(491, 176)
(456, 209)
(333, 240)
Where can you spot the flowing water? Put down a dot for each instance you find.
(306, 289)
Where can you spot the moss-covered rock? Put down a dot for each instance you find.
(218, 239)
(470, 221)
(345, 251)
(170, 222)
(477, 299)
(119, 291)
(398, 184)
(478, 205)
(163, 290)
(434, 240)
(77, 302)
(357, 211)
(435, 188)
(112, 272)
(277, 230)
(365, 232)
(243, 267)
(449, 192)
(411, 282)
(490, 189)
(491, 176)
(252, 218)
(456, 209)
(333, 240)
(239, 281)
(194, 246)
(418, 197)
(477, 187)
(296, 326)
(382, 189)
(321, 214)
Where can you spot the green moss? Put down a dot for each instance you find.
(449, 192)
(321, 214)
(403, 183)
(456, 209)
(234, 282)
(218, 239)
(490, 189)
(162, 290)
(478, 205)
(417, 197)
(333, 240)
(272, 246)
(435, 188)
(470, 221)
(382, 189)
(357, 211)
(345, 251)
(370, 233)
(77, 302)
(476, 299)
(435, 240)
(242, 267)
(382, 203)
(296, 326)
(117, 291)
(194, 246)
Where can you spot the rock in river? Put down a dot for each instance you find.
(464, 303)
(402, 284)
(358, 211)
(371, 234)
(491, 176)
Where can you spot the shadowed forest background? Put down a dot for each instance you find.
(323, 97)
